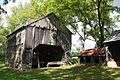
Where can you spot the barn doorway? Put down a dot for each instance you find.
(46, 53)
(114, 51)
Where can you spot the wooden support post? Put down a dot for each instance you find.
(85, 59)
(79, 60)
(99, 59)
(31, 60)
(38, 61)
(107, 52)
(91, 60)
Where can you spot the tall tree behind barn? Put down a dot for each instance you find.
(44, 40)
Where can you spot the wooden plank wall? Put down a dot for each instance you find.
(44, 31)
(15, 48)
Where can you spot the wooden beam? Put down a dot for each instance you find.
(38, 61)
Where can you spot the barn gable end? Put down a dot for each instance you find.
(29, 41)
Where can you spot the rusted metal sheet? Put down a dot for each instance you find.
(93, 52)
(92, 56)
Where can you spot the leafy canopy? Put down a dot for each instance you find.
(94, 15)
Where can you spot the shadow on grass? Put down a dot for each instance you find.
(64, 73)
(85, 73)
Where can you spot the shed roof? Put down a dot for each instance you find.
(44, 47)
(93, 52)
(115, 36)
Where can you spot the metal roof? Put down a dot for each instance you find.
(93, 52)
(115, 36)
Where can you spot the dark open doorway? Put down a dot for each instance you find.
(114, 51)
(46, 53)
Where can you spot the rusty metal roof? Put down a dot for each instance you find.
(93, 52)
(115, 36)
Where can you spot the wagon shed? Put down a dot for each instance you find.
(92, 56)
(113, 48)
(35, 44)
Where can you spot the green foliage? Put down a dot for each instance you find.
(74, 54)
(3, 33)
(3, 46)
(74, 72)
(2, 55)
(4, 2)
(69, 12)
(74, 60)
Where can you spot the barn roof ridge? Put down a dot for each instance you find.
(41, 18)
(32, 23)
(114, 36)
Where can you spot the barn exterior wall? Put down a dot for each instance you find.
(112, 53)
(112, 44)
(15, 48)
(22, 42)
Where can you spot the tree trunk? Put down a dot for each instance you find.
(101, 24)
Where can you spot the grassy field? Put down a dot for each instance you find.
(74, 72)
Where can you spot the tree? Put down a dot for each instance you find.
(4, 3)
(3, 30)
(94, 15)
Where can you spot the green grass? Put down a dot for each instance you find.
(74, 72)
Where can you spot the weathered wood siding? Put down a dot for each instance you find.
(15, 48)
(38, 35)
(47, 31)
(22, 42)
(64, 40)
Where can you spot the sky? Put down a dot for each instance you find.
(117, 2)
(75, 38)
(88, 43)
(17, 1)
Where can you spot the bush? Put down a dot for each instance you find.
(2, 55)
(74, 60)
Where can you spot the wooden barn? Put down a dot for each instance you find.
(38, 43)
(113, 49)
(92, 56)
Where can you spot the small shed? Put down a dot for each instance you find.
(35, 44)
(113, 47)
(92, 56)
